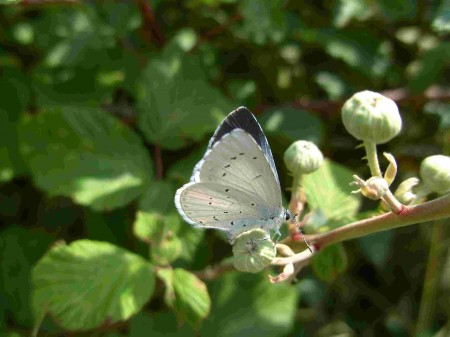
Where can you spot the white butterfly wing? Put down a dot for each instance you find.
(233, 188)
(238, 161)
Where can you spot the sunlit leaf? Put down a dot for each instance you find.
(186, 294)
(85, 154)
(328, 189)
(441, 22)
(89, 284)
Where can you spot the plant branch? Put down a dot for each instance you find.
(431, 210)
(150, 28)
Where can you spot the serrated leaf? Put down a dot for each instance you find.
(19, 250)
(330, 262)
(88, 284)
(293, 124)
(328, 189)
(176, 104)
(264, 21)
(85, 154)
(247, 304)
(186, 294)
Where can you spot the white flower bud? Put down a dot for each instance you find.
(371, 117)
(303, 157)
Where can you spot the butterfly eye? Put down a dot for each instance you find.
(287, 216)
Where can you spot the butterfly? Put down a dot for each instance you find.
(235, 187)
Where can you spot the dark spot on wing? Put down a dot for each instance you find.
(241, 154)
(227, 190)
(253, 204)
(244, 225)
(210, 203)
(225, 212)
(223, 175)
(232, 223)
(233, 158)
(227, 166)
(255, 157)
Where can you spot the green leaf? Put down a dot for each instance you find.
(347, 10)
(440, 110)
(157, 223)
(176, 104)
(15, 93)
(328, 189)
(19, 250)
(395, 10)
(430, 66)
(292, 124)
(334, 85)
(85, 154)
(249, 305)
(441, 21)
(161, 324)
(186, 294)
(264, 21)
(377, 247)
(89, 284)
(330, 262)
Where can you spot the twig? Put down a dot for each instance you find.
(150, 28)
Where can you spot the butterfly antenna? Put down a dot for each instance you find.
(301, 233)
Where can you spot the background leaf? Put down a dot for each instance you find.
(186, 294)
(328, 189)
(173, 96)
(330, 262)
(85, 154)
(90, 283)
(19, 251)
(245, 304)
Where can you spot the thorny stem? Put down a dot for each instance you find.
(372, 158)
(431, 210)
(429, 292)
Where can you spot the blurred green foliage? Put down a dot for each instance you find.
(106, 106)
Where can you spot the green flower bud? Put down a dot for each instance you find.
(369, 116)
(303, 157)
(435, 173)
(252, 251)
(404, 192)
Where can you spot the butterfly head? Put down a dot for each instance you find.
(289, 216)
